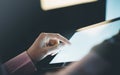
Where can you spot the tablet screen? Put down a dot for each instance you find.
(83, 40)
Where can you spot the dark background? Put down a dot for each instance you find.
(21, 21)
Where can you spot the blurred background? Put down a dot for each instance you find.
(21, 21)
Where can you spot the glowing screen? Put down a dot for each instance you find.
(112, 9)
(83, 41)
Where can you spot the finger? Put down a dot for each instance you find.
(63, 39)
(53, 47)
(52, 42)
(59, 47)
(40, 37)
(59, 37)
(52, 50)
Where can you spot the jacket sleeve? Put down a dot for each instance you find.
(20, 65)
(3, 70)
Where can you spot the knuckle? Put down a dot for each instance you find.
(57, 34)
(43, 33)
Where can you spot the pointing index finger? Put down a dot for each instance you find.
(59, 37)
(63, 39)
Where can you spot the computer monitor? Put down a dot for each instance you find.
(112, 9)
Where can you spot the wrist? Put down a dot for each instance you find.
(36, 55)
(31, 56)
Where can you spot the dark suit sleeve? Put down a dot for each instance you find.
(20, 65)
(3, 70)
(109, 49)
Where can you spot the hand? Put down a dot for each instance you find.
(46, 44)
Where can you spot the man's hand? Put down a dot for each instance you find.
(45, 45)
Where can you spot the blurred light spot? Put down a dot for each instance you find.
(54, 4)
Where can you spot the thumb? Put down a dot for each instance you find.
(52, 50)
